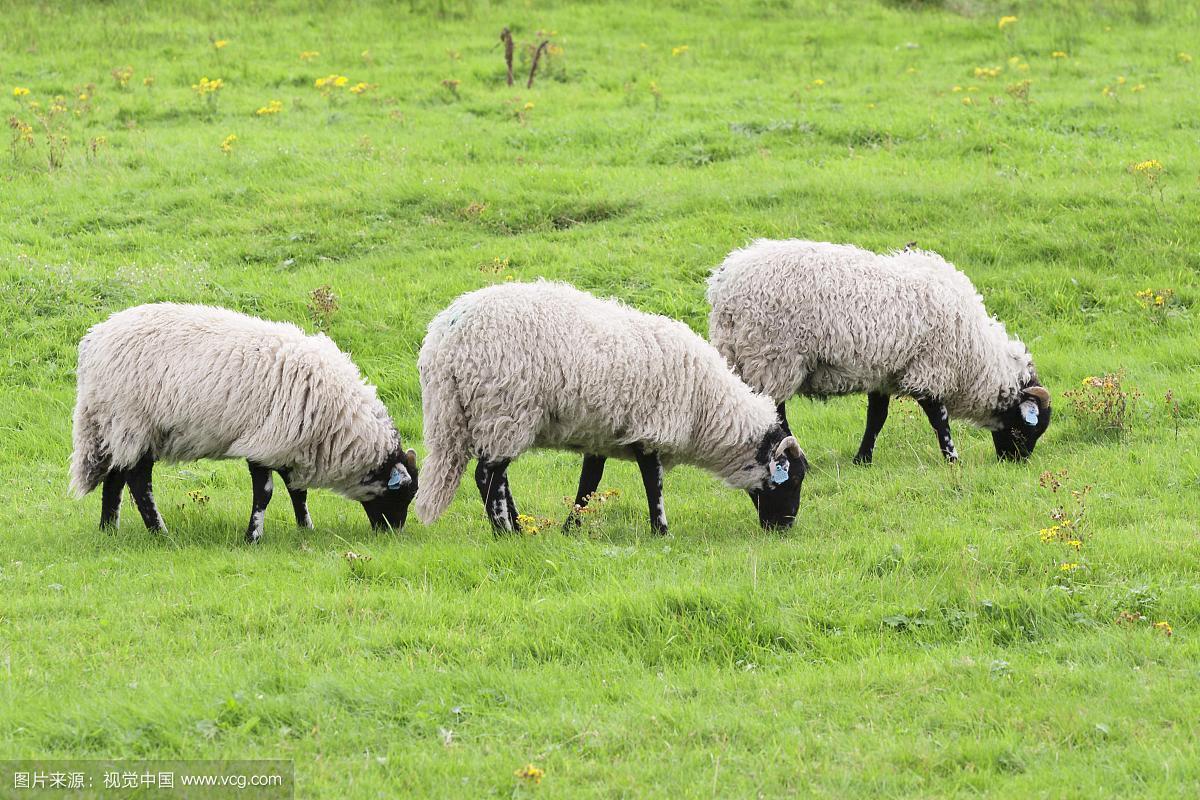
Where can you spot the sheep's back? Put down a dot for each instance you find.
(553, 366)
(824, 319)
(194, 382)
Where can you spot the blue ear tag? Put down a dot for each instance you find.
(396, 480)
(1029, 411)
(780, 473)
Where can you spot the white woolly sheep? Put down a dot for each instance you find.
(516, 366)
(817, 319)
(167, 382)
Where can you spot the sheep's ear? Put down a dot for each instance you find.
(789, 447)
(410, 458)
(399, 477)
(1030, 412)
(781, 464)
(1039, 394)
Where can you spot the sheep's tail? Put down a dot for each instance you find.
(445, 443)
(90, 459)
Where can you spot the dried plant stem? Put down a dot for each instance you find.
(537, 55)
(506, 37)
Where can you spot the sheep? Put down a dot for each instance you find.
(168, 382)
(521, 365)
(817, 319)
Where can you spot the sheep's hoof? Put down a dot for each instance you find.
(572, 523)
(862, 458)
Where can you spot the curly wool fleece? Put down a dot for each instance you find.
(813, 318)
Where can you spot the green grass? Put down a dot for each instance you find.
(910, 636)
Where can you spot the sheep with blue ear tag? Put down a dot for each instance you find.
(818, 319)
(167, 382)
(518, 366)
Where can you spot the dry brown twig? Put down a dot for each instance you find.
(537, 54)
(506, 37)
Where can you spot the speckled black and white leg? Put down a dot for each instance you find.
(492, 480)
(263, 486)
(141, 486)
(299, 500)
(940, 420)
(110, 499)
(652, 477)
(877, 412)
(589, 481)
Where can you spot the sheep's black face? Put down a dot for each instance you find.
(396, 485)
(1022, 425)
(778, 499)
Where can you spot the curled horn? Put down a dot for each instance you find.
(1040, 394)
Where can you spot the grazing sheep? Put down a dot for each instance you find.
(516, 366)
(797, 317)
(167, 382)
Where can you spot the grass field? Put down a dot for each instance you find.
(912, 635)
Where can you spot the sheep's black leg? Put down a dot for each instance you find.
(110, 503)
(940, 420)
(589, 480)
(492, 481)
(141, 486)
(652, 477)
(299, 500)
(263, 486)
(781, 411)
(877, 411)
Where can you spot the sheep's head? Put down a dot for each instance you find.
(389, 489)
(783, 466)
(1022, 424)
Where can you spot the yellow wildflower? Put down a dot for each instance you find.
(1058, 54)
(227, 143)
(273, 107)
(359, 88)
(680, 50)
(148, 81)
(1069, 566)
(529, 106)
(1074, 543)
(956, 89)
(987, 72)
(1120, 80)
(818, 82)
(1005, 22)
(20, 91)
(308, 55)
(1138, 88)
(530, 773)
(220, 44)
(205, 86)
(1184, 58)
(1164, 626)
(967, 101)
(330, 82)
